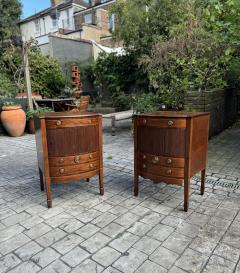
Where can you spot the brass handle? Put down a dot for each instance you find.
(59, 122)
(169, 161)
(91, 165)
(170, 123)
(144, 166)
(90, 156)
(144, 121)
(61, 171)
(168, 171)
(155, 159)
(61, 160)
(77, 159)
(89, 121)
(144, 157)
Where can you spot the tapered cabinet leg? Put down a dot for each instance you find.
(48, 190)
(101, 183)
(41, 180)
(88, 179)
(203, 178)
(113, 126)
(136, 184)
(186, 193)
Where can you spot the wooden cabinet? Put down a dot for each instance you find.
(69, 148)
(171, 147)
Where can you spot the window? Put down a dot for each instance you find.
(54, 22)
(68, 17)
(88, 18)
(111, 22)
(37, 26)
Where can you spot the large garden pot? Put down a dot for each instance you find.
(31, 126)
(14, 120)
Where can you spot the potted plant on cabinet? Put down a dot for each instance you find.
(13, 119)
(31, 113)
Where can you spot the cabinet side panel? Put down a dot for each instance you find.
(72, 141)
(199, 149)
(38, 138)
(162, 141)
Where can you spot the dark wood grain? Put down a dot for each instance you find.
(72, 141)
(69, 148)
(162, 141)
(170, 152)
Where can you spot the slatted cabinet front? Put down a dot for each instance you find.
(164, 143)
(72, 147)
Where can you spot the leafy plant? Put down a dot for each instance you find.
(10, 103)
(145, 103)
(31, 113)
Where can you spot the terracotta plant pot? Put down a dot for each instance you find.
(14, 120)
(31, 126)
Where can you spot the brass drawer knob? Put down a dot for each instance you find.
(77, 159)
(59, 122)
(89, 121)
(61, 160)
(144, 121)
(170, 123)
(169, 161)
(61, 171)
(155, 160)
(90, 156)
(169, 171)
(91, 165)
(144, 166)
(144, 157)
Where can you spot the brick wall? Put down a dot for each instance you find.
(222, 104)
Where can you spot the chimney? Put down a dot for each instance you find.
(55, 3)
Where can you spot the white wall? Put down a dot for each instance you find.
(46, 26)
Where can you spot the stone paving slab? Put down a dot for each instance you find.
(119, 233)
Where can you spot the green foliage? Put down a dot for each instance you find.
(233, 74)
(121, 101)
(183, 45)
(145, 103)
(10, 16)
(140, 23)
(31, 113)
(118, 76)
(46, 75)
(7, 87)
(9, 103)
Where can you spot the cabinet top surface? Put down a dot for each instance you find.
(173, 114)
(53, 115)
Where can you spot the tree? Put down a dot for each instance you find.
(10, 16)
(141, 23)
(182, 44)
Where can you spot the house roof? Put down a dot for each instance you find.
(48, 10)
(97, 6)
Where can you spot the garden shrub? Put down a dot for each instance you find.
(7, 86)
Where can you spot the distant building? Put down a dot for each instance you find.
(74, 19)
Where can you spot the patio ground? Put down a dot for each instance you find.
(88, 233)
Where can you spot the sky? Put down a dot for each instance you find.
(32, 6)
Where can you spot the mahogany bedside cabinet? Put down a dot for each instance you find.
(171, 147)
(69, 148)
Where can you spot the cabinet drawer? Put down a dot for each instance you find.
(74, 169)
(162, 160)
(73, 160)
(65, 122)
(162, 171)
(163, 122)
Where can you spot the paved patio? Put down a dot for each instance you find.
(88, 233)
